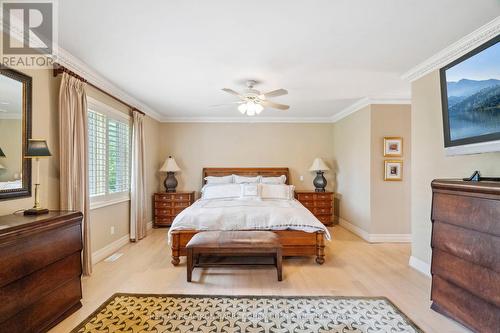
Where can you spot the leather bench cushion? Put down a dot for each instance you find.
(235, 239)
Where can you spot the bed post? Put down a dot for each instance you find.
(320, 248)
(175, 248)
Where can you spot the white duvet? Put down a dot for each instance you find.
(237, 214)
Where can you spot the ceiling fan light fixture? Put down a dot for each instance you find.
(242, 108)
(258, 108)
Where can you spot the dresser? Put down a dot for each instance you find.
(40, 269)
(168, 205)
(319, 203)
(466, 252)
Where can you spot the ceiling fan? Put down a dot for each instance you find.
(252, 101)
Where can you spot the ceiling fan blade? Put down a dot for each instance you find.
(232, 92)
(275, 93)
(275, 105)
(225, 104)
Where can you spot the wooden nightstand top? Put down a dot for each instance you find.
(312, 191)
(176, 192)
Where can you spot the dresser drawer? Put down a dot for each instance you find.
(323, 196)
(322, 211)
(164, 221)
(164, 197)
(164, 204)
(46, 311)
(181, 204)
(323, 203)
(182, 197)
(308, 204)
(22, 293)
(474, 213)
(38, 250)
(164, 212)
(325, 219)
(305, 197)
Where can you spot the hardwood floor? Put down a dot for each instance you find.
(353, 268)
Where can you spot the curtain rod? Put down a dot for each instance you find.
(58, 69)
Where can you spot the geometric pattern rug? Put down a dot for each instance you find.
(200, 313)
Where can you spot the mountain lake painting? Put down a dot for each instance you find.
(473, 88)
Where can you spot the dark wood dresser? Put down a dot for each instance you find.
(168, 205)
(319, 203)
(466, 252)
(40, 270)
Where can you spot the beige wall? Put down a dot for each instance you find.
(366, 200)
(45, 125)
(11, 136)
(198, 145)
(390, 201)
(352, 149)
(429, 160)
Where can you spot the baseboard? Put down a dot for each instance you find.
(420, 266)
(390, 238)
(111, 248)
(354, 229)
(375, 238)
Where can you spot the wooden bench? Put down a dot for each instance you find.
(231, 244)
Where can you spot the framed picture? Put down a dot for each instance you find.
(393, 171)
(393, 146)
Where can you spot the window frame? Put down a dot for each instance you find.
(111, 113)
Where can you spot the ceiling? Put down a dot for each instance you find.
(175, 56)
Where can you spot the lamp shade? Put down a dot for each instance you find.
(1, 167)
(170, 165)
(1, 153)
(319, 165)
(37, 148)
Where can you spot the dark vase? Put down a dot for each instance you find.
(319, 182)
(170, 182)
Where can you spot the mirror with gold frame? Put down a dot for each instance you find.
(15, 130)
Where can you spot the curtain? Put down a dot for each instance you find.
(73, 143)
(138, 222)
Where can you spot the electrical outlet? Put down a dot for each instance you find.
(301, 178)
(113, 230)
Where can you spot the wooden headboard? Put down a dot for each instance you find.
(266, 172)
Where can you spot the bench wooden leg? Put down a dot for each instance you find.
(279, 264)
(189, 266)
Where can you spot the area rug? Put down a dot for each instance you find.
(199, 313)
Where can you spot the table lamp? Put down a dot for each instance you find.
(37, 149)
(170, 167)
(320, 181)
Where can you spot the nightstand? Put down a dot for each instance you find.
(319, 203)
(168, 205)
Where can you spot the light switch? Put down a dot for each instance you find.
(301, 178)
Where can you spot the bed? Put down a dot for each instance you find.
(295, 242)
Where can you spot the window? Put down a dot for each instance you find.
(109, 155)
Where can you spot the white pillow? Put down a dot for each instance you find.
(219, 180)
(250, 192)
(221, 191)
(246, 180)
(273, 180)
(277, 191)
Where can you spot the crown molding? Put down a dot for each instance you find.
(364, 102)
(76, 65)
(304, 120)
(454, 51)
(79, 67)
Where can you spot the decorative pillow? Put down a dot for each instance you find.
(219, 180)
(277, 191)
(246, 180)
(221, 191)
(250, 191)
(273, 180)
